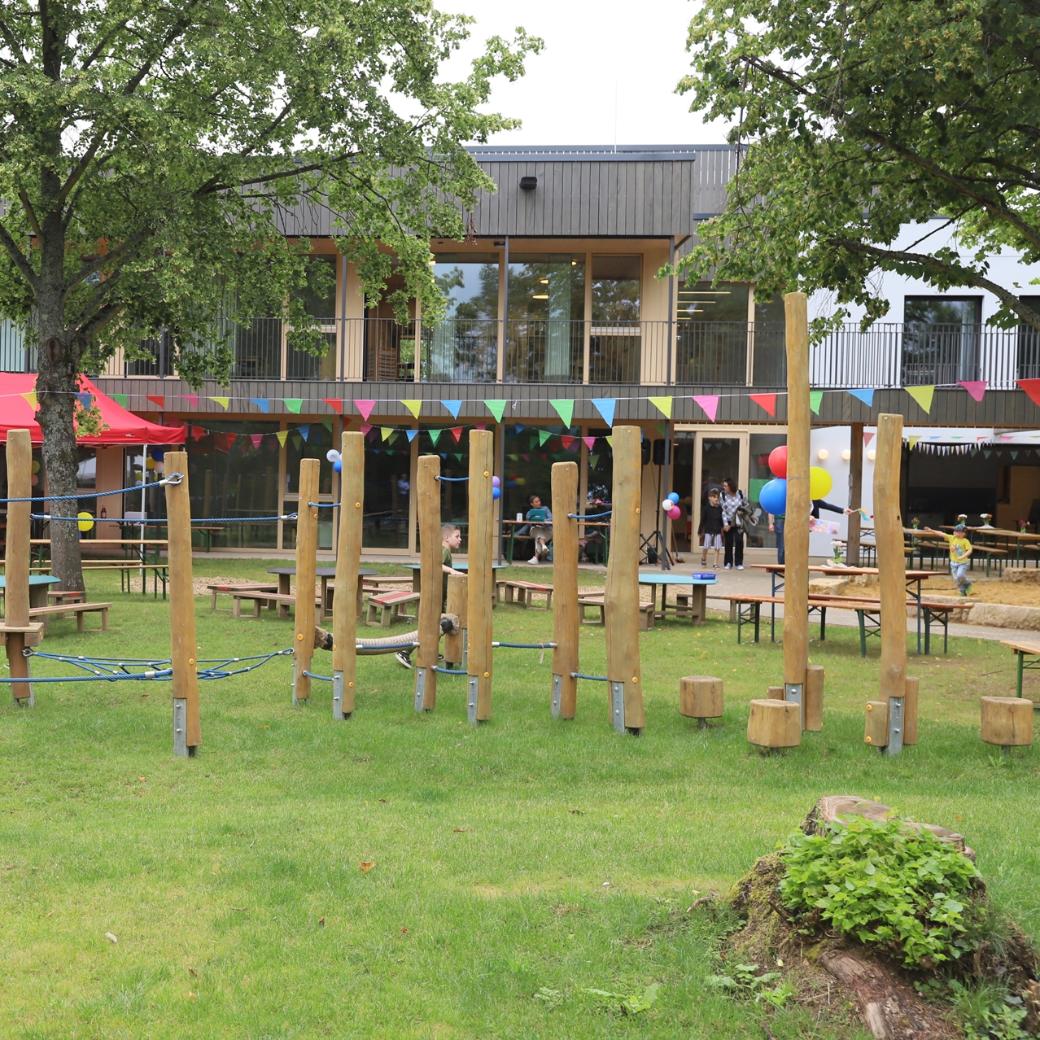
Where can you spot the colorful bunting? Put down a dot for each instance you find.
(460, 456)
(262, 403)
(366, 429)
(767, 402)
(121, 399)
(912, 442)
(593, 461)
(157, 399)
(815, 400)
(256, 438)
(31, 399)
(456, 432)
(434, 435)
(589, 442)
(304, 431)
(335, 403)
(868, 436)
(709, 404)
(192, 399)
(496, 408)
(610, 440)
(283, 436)
(606, 407)
(922, 395)
(452, 408)
(413, 405)
(568, 442)
(85, 399)
(543, 436)
(293, 404)
(387, 432)
(864, 396)
(663, 405)
(564, 408)
(365, 408)
(1031, 388)
(197, 433)
(222, 401)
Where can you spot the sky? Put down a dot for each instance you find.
(606, 75)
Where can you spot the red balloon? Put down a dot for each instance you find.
(778, 462)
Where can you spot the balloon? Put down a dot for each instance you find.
(332, 455)
(496, 492)
(150, 464)
(36, 465)
(496, 481)
(820, 482)
(85, 521)
(673, 496)
(778, 461)
(675, 512)
(666, 504)
(773, 497)
(337, 466)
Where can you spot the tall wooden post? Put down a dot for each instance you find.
(855, 492)
(455, 642)
(566, 619)
(348, 556)
(799, 505)
(480, 577)
(430, 581)
(187, 725)
(306, 575)
(16, 630)
(888, 533)
(622, 589)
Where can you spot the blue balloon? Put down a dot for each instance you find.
(496, 492)
(773, 497)
(673, 496)
(337, 466)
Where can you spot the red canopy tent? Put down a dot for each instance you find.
(119, 426)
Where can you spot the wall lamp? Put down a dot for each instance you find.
(528, 183)
(823, 455)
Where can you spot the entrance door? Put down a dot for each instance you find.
(716, 456)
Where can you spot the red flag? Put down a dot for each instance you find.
(767, 402)
(456, 432)
(1031, 388)
(335, 403)
(197, 433)
(158, 400)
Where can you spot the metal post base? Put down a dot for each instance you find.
(337, 698)
(895, 727)
(617, 706)
(557, 695)
(180, 729)
(26, 702)
(793, 694)
(471, 699)
(420, 688)
(297, 701)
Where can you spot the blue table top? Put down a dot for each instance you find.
(673, 579)
(35, 579)
(463, 566)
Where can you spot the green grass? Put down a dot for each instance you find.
(523, 856)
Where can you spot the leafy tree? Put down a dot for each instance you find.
(150, 151)
(855, 117)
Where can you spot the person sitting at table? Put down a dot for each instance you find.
(537, 516)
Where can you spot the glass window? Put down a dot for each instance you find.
(1028, 344)
(308, 441)
(388, 467)
(258, 349)
(770, 359)
(546, 307)
(463, 348)
(759, 474)
(615, 342)
(940, 339)
(319, 301)
(712, 329)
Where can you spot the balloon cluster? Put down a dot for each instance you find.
(496, 487)
(773, 496)
(336, 459)
(670, 506)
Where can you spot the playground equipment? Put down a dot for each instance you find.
(700, 698)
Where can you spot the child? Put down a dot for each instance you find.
(960, 554)
(538, 516)
(711, 527)
(451, 539)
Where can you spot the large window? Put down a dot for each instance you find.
(463, 348)
(712, 329)
(615, 335)
(1028, 344)
(388, 489)
(770, 363)
(940, 339)
(545, 333)
(319, 301)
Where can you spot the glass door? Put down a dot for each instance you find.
(716, 456)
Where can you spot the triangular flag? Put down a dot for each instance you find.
(32, 401)
(434, 435)
(293, 404)
(709, 404)
(610, 440)
(456, 432)
(197, 433)
(922, 395)
(567, 442)
(564, 408)
(365, 408)
(85, 399)
(590, 442)
(452, 407)
(815, 400)
(222, 401)
(767, 402)
(867, 438)
(327, 423)
(411, 435)
(282, 436)
(1014, 455)
(480, 426)
(543, 436)
(123, 399)
(496, 408)
(335, 403)
(262, 403)
(365, 429)
(192, 399)
(593, 461)
(976, 388)
(256, 438)
(414, 406)
(157, 399)
(605, 406)
(304, 432)
(460, 456)
(663, 405)
(1031, 388)
(519, 428)
(387, 432)
(912, 442)
(866, 396)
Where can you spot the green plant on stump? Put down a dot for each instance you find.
(885, 885)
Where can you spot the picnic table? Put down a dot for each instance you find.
(1022, 651)
(512, 526)
(416, 569)
(286, 574)
(698, 592)
(38, 586)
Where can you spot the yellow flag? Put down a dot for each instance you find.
(413, 406)
(282, 436)
(222, 401)
(31, 399)
(922, 395)
(663, 405)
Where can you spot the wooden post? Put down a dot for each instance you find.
(479, 582)
(796, 525)
(17, 631)
(855, 493)
(187, 726)
(306, 574)
(888, 533)
(621, 595)
(566, 616)
(812, 715)
(430, 581)
(910, 711)
(348, 556)
(455, 643)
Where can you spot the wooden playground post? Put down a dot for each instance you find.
(888, 534)
(348, 556)
(187, 726)
(480, 577)
(799, 505)
(17, 630)
(621, 596)
(430, 581)
(306, 575)
(455, 642)
(566, 619)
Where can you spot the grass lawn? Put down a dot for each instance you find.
(411, 876)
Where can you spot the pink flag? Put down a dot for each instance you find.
(590, 442)
(709, 404)
(365, 427)
(256, 438)
(867, 438)
(976, 388)
(365, 408)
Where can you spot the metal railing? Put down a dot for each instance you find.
(652, 353)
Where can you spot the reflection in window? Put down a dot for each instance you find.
(308, 441)
(712, 333)
(388, 465)
(770, 364)
(1028, 344)
(614, 355)
(463, 347)
(318, 297)
(546, 305)
(940, 339)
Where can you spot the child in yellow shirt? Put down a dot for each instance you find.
(960, 555)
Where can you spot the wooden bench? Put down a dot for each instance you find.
(79, 609)
(127, 569)
(389, 605)
(385, 582)
(523, 592)
(66, 595)
(222, 588)
(280, 600)
(1022, 651)
(597, 601)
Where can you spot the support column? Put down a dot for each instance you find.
(348, 556)
(306, 575)
(855, 493)
(566, 619)
(480, 579)
(430, 581)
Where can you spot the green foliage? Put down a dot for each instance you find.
(884, 884)
(745, 980)
(986, 1012)
(626, 1003)
(857, 118)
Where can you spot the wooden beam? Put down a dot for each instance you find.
(348, 556)
(479, 582)
(430, 581)
(306, 575)
(16, 564)
(566, 616)
(855, 493)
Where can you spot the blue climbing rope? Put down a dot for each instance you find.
(324, 505)
(450, 671)
(589, 516)
(314, 675)
(173, 478)
(594, 678)
(453, 480)
(525, 646)
(135, 522)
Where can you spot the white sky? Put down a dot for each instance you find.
(606, 75)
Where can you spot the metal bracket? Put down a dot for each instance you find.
(296, 678)
(337, 697)
(471, 699)
(617, 706)
(793, 694)
(180, 727)
(895, 727)
(557, 695)
(420, 688)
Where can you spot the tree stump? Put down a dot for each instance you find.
(700, 698)
(774, 724)
(1007, 721)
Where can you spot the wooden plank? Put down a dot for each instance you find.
(306, 575)
(17, 559)
(888, 535)
(566, 615)
(348, 556)
(429, 502)
(480, 576)
(855, 492)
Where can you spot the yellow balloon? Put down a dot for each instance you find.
(36, 465)
(820, 482)
(85, 522)
(151, 462)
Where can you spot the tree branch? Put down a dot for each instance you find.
(18, 258)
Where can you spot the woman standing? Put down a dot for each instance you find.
(732, 524)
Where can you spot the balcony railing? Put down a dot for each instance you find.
(653, 353)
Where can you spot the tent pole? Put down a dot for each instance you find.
(144, 505)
